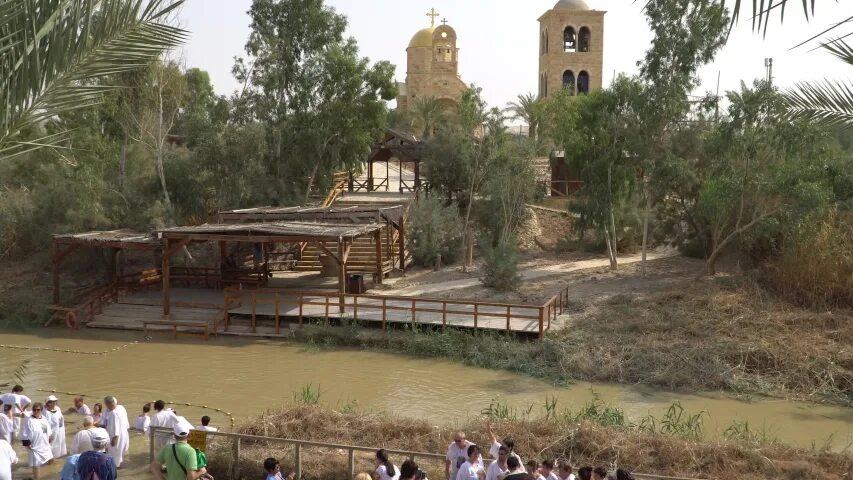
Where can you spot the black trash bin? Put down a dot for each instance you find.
(355, 284)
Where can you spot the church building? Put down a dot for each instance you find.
(432, 67)
(571, 48)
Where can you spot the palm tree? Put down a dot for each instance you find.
(427, 113)
(826, 102)
(529, 108)
(53, 53)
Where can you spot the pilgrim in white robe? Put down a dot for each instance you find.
(116, 424)
(57, 424)
(7, 428)
(38, 432)
(82, 441)
(8, 457)
(165, 418)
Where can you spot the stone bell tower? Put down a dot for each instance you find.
(571, 48)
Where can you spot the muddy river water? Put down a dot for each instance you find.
(246, 377)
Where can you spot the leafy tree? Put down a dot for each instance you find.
(687, 35)
(427, 113)
(323, 105)
(55, 51)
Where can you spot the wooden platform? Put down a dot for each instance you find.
(275, 312)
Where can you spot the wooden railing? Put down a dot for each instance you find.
(89, 303)
(300, 446)
(415, 311)
(569, 187)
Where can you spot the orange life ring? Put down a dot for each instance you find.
(71, 320)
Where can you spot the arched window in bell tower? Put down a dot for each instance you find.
(569, 40)
(584, 39)
(542, 43)
(547, 47)
(583, 83)
(569, 81)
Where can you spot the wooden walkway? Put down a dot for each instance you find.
(275, 312)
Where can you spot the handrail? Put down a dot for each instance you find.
(350, 449)
(91, 301)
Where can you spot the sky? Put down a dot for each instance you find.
(498, 41)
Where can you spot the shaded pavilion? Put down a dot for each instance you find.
(405, 147)
(320, 234)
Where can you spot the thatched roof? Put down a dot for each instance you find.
(126, 239)
(353, 214)
(274, 231)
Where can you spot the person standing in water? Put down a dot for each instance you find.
(116, 424)
(53, 414)
(36, 436)
(143, 421)
(7, 424)
(8, 457)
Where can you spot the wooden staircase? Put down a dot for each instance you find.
(362, 257)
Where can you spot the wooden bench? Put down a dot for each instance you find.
(203, 326)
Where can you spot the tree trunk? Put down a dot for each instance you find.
(614, 262)
(646, 216)
(161, 140)
(611, 254)
(465, 237)
(122, 161)
(711, 264)
(311, 181)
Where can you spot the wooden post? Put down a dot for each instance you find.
(508, 329)
(327, 308)
(443, 316)
(167, 294)
(384, 314)
(541, 322)
(276, 314)
(342, 274)
(56, 261)
(351, 459)
(355, 308)
(235, 465)
(402, 240)
(413, 314)
(476, 316)
(150, 445)
(377, 238)
(369, 187)
(297, 463)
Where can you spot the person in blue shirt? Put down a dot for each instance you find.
(92, 465)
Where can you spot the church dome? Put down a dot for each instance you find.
(423, 38)
(571, 5)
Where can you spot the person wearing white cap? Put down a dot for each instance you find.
(180, 458)
(53, 414)
(8, 457)
(36, 435)
(83, 439)
(82, 466)
(7, 424)
(116, 423)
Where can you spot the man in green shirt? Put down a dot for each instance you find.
(179, 458)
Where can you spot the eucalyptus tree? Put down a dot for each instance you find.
(56, 52)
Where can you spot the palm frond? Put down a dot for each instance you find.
(825, 102)
(55, 51)
(840, 49)
(763, 9)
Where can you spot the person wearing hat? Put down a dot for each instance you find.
(179, 458)
(116, 423)
(82, 466)
(53, 414)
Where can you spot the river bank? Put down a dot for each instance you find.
(582, 440)
(722, 334)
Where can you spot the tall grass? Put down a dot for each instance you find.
(307, 395)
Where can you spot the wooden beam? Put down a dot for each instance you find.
(377, 239)
(59, 254)
(174, 249)
(204, 237)
(342, 275)
(164, 273)
(328, 252)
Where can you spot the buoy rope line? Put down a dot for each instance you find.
(184, 404)
(65, 350)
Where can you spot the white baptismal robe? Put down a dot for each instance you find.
(116, 424)
(57, 424)
(38, 432)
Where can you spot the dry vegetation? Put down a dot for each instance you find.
(583, 444)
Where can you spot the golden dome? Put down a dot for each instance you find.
(423, 38)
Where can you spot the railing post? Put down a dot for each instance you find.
(443, 316)
(351, 464)
(476, 316)
(385, 315)
(327, 308)
(355, 308)
(541, 322)
(508, 312)
(297, 462)
(150, 445)
(413, 314)
(235, 465)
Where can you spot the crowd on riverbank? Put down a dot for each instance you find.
(102, 443)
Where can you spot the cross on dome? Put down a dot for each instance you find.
(432, 14)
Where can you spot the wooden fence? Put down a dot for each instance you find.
(237, 439)
(395, 309)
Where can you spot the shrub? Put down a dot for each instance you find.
(500, 270)
(436, 229)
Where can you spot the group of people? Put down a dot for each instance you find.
(98, 448)
(464, 461)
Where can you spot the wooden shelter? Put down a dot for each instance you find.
(343, 235)
(404, 147)
(114, 240)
